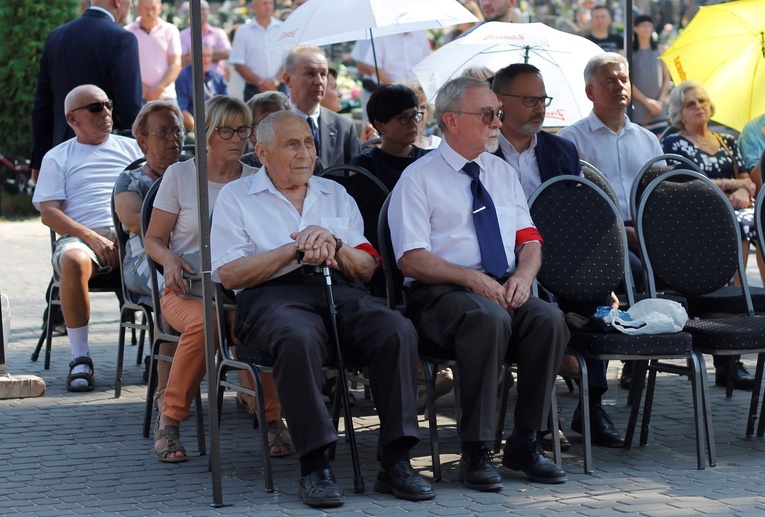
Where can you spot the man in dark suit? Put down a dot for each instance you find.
(305, 73)
(93, 49)
(538, 156)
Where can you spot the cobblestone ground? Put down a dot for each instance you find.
(84, 454)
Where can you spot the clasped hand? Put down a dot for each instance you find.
(514, 293)
(317, 244)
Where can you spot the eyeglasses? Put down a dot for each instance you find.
(487, 116)
(531, 102)
(95, 107)
(227, 133)
(164, 133)
(696, 102)
(405, 119)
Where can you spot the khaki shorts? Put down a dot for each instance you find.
(66, 243)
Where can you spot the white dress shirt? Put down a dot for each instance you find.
(252, 47)
(619, 156)
(432, 207)
(524, 163)
(251, 217)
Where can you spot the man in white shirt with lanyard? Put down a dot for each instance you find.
(464, 239)
(74, 198)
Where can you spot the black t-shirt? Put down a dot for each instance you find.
(611, 43)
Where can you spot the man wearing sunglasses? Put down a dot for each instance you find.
(74, 198)
(93, 49)
(537, 156)
(464, 239)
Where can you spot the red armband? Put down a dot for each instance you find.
(525, 235)
(368, 248)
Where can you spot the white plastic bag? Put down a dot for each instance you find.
(650, 316)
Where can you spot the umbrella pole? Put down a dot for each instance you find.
(374, 55)
(204, 247)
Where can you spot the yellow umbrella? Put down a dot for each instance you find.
(724, 48)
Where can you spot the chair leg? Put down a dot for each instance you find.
(125, 315)
(645, 425)
(698, 410)
(756, 400)
(430, 390)
(554, 427)
(637, 383)
(711, 448)
(151, 388)
(505, 389)
(200, 425)
(145, 324)
(584, 402)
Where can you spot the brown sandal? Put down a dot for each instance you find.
(171, 435)
(280, 442)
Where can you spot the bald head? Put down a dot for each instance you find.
(89, 114)
(74, 98)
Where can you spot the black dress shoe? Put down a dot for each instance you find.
(403, 482)
(602, 428)
(478, 473)
(531, 459)
(319, 490)
(742, 380)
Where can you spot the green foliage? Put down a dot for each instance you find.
(24, 27)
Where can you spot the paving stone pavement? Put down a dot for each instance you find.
(84, 454)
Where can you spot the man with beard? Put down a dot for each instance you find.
(464, 239)
(537, 156)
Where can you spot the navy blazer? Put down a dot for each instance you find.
(337, 138)
(89, 50)
(555, 156)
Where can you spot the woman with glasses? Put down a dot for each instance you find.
(718, 157)
(172, 237)
(393, 111)
(159, 131)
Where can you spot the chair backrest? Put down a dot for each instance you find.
(122, 238)
(154, 267)
(394, 279)
(585, 244)
(759, 213)
(369, 193)
(590, 172)
(652, 170)
(689, 235)
(369, 143)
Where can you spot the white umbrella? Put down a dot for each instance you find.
(560, 57)
(323, 22)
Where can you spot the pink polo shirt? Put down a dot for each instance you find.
(154, 49)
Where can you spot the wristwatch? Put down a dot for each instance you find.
(338, 243)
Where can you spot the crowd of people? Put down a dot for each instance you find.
(459, 220)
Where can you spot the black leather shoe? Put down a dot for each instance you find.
(625, 380)
(742, 380)
(403, 482)
(319, 490)
(602, 428)
(531, 459)
(478, 473)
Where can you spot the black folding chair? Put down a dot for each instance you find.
(161, 334)
(586, 258)
(691, 242)
(129, 309)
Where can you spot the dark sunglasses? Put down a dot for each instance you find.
(95, 107)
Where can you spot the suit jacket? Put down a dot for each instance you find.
(338, 139)
(89, 50)
(555, 156)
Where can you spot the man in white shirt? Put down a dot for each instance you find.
(159, 51)
(538, 156)
(464, 239)
(281, 305)
(251, 55)
(74, 199)
(305, 73)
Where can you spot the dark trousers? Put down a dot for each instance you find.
(290, 323)
(481, 335)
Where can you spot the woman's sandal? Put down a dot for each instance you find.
(243, 406)
(279, 440)
(88, 376)
(171, 435)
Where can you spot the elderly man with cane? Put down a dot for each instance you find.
(270, 234)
